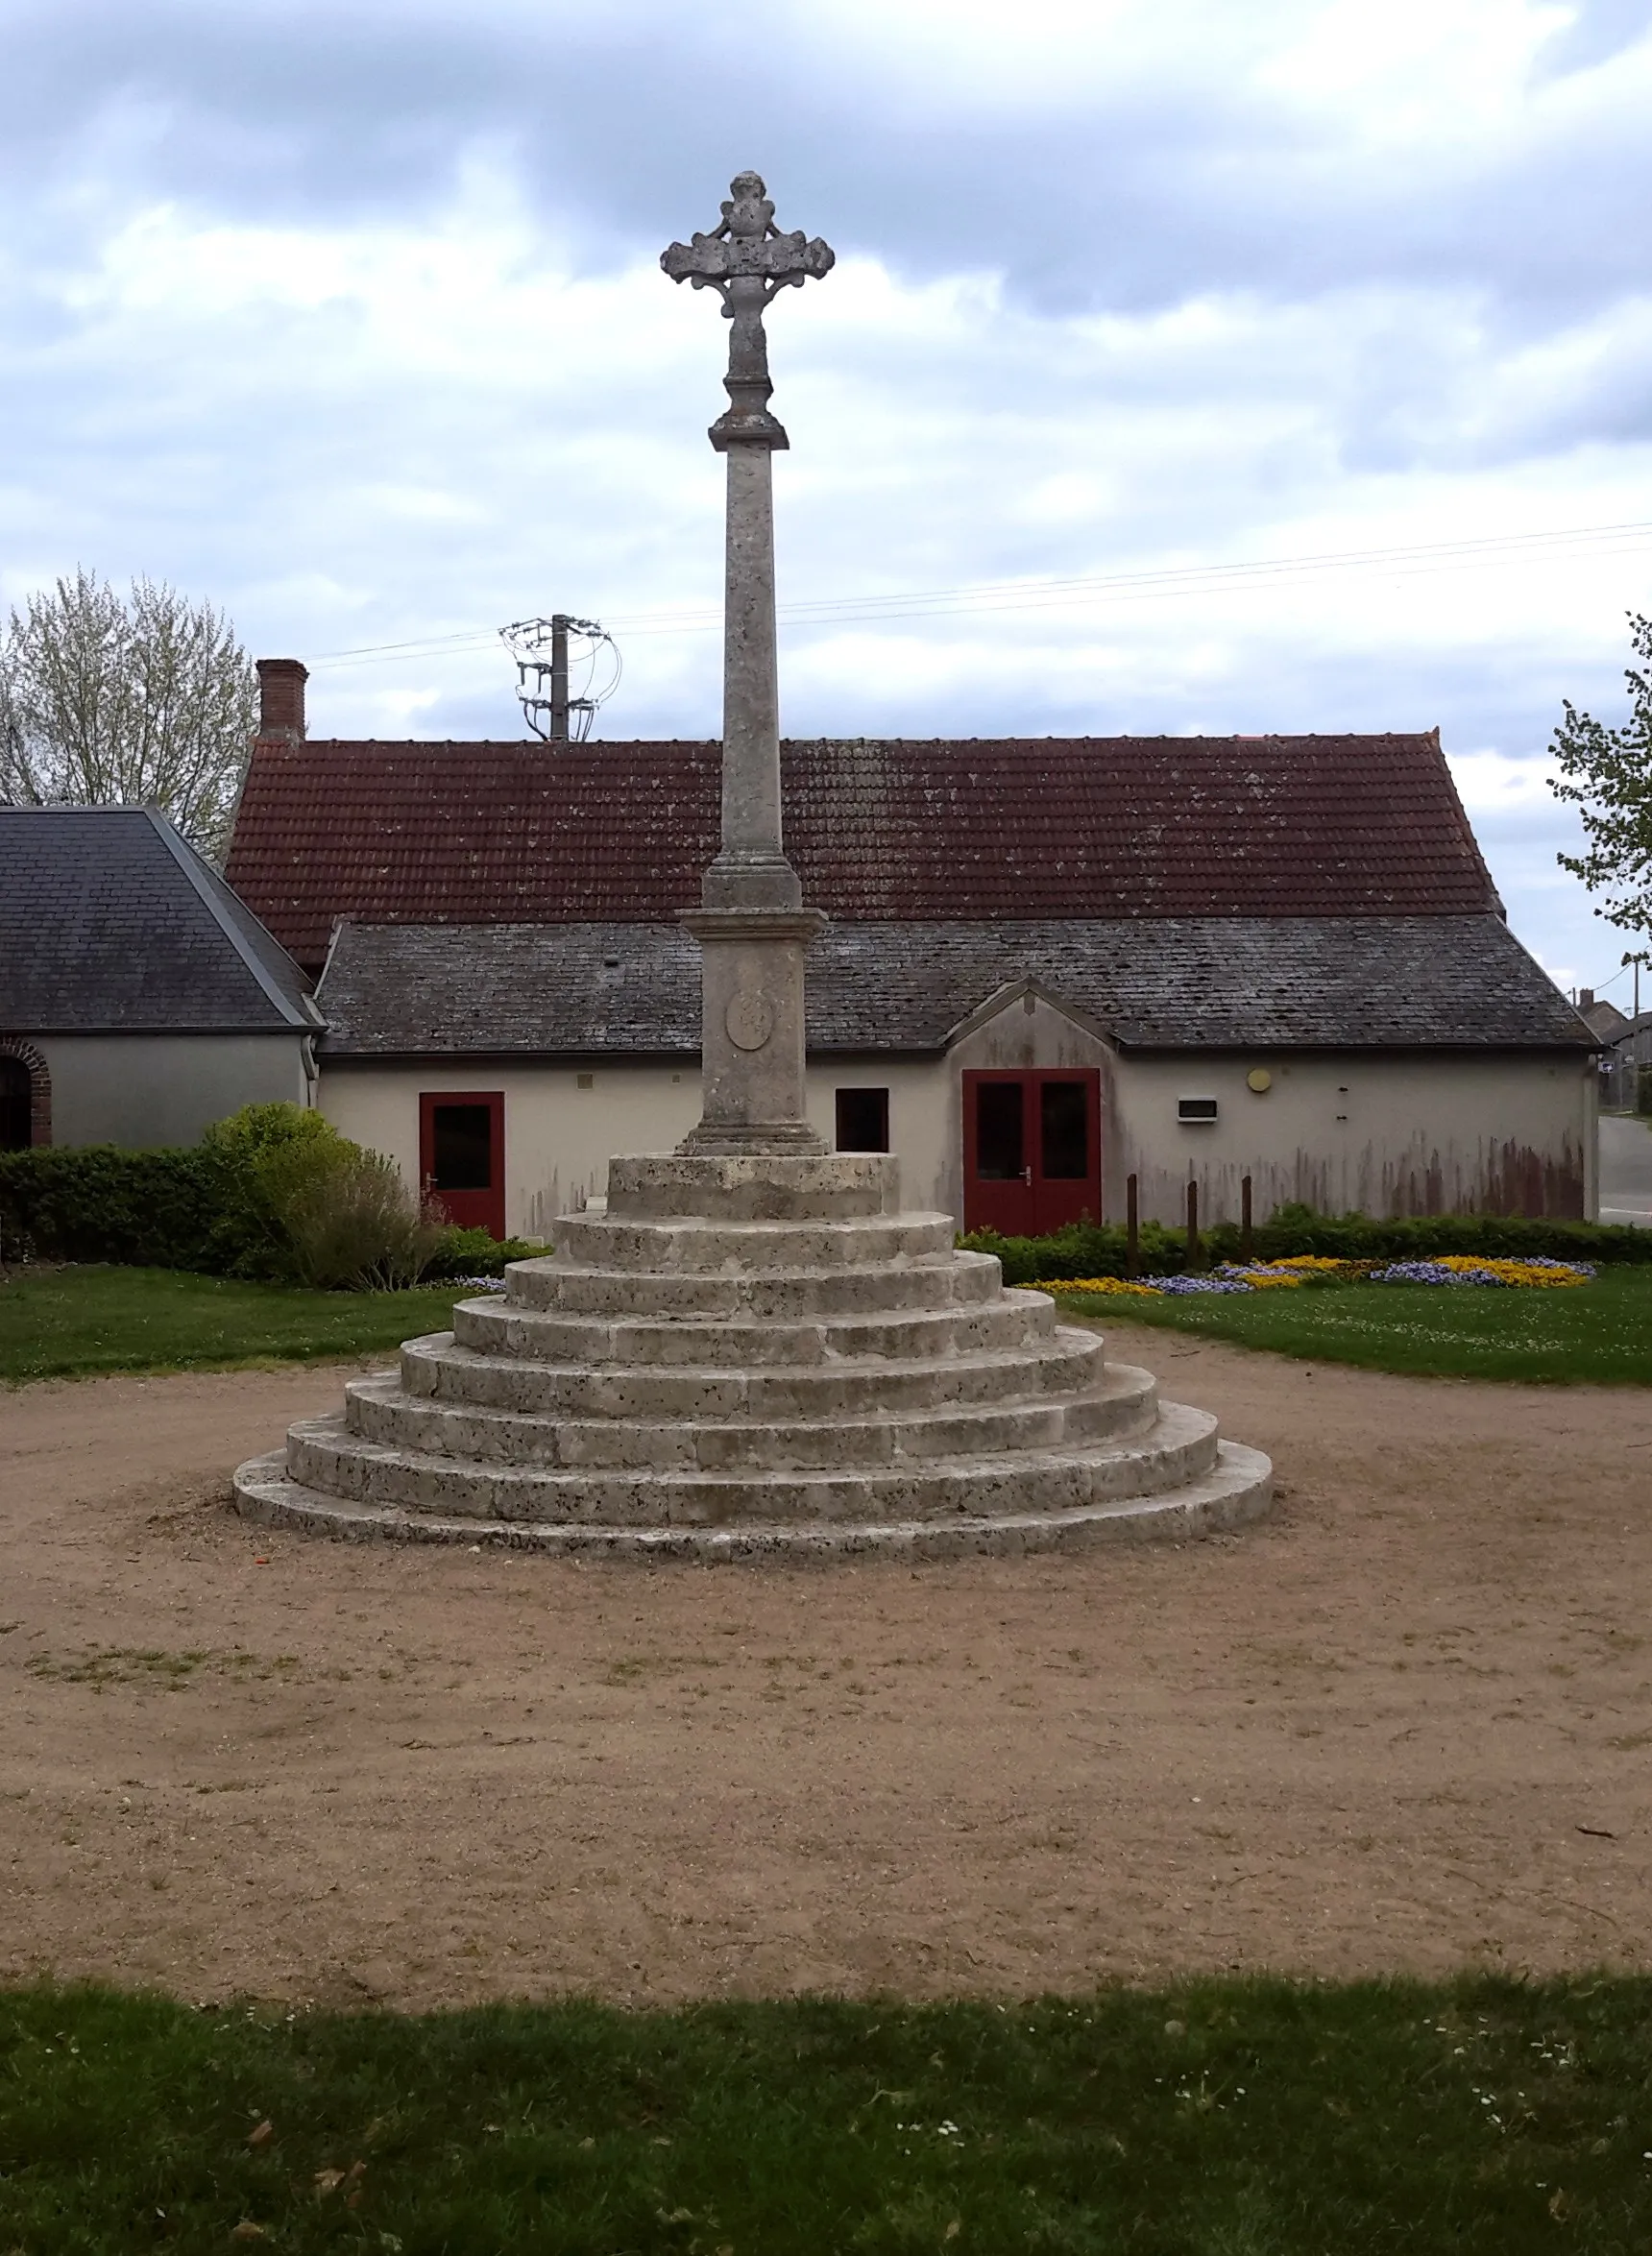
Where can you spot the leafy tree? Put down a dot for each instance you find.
(105, 701)
(1607, 774)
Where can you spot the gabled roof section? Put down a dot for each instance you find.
(1096, 827)
(1460, 983)
(109, 922)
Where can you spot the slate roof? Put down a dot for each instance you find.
(1096, 827)
(592, 989)
(109, 922)
(1606, 1020)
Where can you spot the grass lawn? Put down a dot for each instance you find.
(1486, 2117)
(64, 1322)
(1599, 1332)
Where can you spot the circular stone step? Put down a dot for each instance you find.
(1236, 1491)
(439, 1367)
(1121, 1405)
(743, 1359)
(323, 1453)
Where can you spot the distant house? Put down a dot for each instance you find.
(1630, 1054)
(1604, 1020)
(139, 1000)
(1052, 964)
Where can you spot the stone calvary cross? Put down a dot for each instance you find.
(752, 926)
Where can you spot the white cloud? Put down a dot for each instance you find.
(369, 342)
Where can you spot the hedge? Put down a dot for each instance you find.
(185, 1209)
(182, 1208)
(158, 1210)
(1087, 1248)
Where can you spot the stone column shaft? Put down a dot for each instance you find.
(752, 927)
(751, 869)
(751, 689)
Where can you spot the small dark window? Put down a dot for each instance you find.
(461, 1137)
(998, 1151)
(16, 1125)
(1064, 1131)
(1196, 1108)
(863, 1120)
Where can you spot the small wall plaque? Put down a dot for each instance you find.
(1259, 1079)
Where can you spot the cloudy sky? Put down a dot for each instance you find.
(1189, 365)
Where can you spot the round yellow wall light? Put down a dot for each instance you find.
(1259, 1079)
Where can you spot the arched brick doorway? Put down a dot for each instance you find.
(25, 1096)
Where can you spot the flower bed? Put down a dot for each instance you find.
(1536, 1271)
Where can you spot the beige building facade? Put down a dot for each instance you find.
(1381, 1133)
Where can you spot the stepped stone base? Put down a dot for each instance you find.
(744, 1357)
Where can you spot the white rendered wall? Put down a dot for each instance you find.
(1361, 1133)
(1374, 1132)
(1380, 1133)
(559, 1137)
(923, 1120)
(144, 1090)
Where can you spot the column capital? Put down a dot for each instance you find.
(754, 924)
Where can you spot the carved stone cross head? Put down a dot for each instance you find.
(747, 261)
(747, 248)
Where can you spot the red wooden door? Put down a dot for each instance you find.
(1032, 1150)
(462, 1156)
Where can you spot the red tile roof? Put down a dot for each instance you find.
(1039, 827)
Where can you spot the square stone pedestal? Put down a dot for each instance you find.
(752, 1032)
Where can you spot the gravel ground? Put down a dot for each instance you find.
(1403, 1724)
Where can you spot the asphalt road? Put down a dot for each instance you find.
(1626, 1171)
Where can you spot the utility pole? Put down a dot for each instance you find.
(559, 719)
(559, 678)
(1638, 958)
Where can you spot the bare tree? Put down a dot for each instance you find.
(109, 702)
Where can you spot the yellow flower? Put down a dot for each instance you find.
(1512, 1273)
(1090, 1284)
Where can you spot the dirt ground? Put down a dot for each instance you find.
(1405, 1724)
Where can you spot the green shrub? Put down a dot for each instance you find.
(351, 1224)
(268, 1157)
(1087, 1248)
(472, 1252)
(1644, 1089)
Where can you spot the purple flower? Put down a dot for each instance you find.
(1431, 1272)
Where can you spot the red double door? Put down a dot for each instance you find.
(462, 1156)
(1032, 1150)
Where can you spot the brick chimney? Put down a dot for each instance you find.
(282, 698)
(1586, 998)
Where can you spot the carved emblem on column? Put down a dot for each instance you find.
(749, 1020)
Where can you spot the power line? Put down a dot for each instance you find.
(1101, 588)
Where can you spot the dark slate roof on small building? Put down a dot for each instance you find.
(592, 989)
(110, 923)
(1093, 827)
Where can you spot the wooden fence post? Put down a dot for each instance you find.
(1245, 1246)
(1133, 1228)
(1194, 1252)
